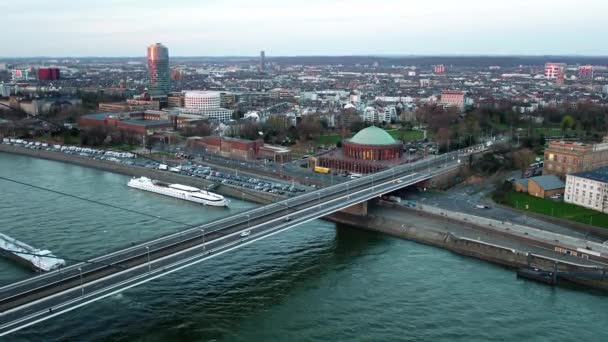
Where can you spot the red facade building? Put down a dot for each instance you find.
(370, 150)
(48, 74)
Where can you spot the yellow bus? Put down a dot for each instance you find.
(320, 169)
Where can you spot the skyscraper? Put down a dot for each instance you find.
(262, 60)
(158, 69)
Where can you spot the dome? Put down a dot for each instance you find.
(373, 136)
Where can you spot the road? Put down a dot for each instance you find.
(465, 198)
(30, 301)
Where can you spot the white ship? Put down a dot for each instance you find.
(37, 259)
(188, 193)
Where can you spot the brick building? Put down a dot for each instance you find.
(562, 158)
(541, 186)
(139, 123)
(370, 150)
(240, 148)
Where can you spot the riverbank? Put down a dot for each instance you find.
(137, 171)
(473, 241)
(428, 229)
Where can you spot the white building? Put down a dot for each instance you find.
(588, 189)
(370, 114)
(5, 90)
(207, 104)
(389, 113)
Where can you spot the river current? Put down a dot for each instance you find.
(316, 282)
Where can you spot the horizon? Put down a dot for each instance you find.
(404, 56)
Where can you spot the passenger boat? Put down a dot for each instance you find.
(187, 193)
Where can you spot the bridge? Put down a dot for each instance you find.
(39, 298)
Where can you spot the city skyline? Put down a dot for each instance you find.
(314, 28)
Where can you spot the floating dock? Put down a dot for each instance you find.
(40, 260)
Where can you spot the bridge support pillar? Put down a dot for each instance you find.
(357, 209)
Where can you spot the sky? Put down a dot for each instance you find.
(119, 28)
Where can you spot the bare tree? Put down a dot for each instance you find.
(522, 159)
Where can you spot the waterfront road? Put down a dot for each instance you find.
(39, 298)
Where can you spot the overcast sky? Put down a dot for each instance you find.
(302, 27)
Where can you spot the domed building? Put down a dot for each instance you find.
(371, 149)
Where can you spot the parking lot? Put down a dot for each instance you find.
(185, 167)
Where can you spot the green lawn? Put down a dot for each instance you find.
(407, 135)
(555, 208)
(329, 139)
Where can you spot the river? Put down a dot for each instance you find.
(315, 282)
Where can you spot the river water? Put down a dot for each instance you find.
(315, 282)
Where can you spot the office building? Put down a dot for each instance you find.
(262, 60)
(206, 104)
(562, 157)
(158, 69)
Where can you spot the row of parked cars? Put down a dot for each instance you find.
(187, 168)
(241, 181)
(83, 151)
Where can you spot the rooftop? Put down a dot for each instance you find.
(548, 182)
(373, 136)
(600, 174)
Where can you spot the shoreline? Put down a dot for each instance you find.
(137, 171)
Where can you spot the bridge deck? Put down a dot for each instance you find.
(39, 298)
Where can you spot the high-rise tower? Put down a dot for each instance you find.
(262, 60)
(158, 69)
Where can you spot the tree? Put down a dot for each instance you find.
(522, 159)
(201, 129)
(568, 122)
(443, 136)
(310, 128)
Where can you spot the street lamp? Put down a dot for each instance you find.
(81, 286)
(248, 220)
(203, 235)
(148, 252)
(319, 193)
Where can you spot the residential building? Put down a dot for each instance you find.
(48, 74)
(555, 71)
(588, 189)
(370, 114)
(439, 69)
(585, 71)
(562, 157)
(453, 98)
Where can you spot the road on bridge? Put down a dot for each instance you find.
(39, 298)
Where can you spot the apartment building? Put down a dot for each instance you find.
(588, 189)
